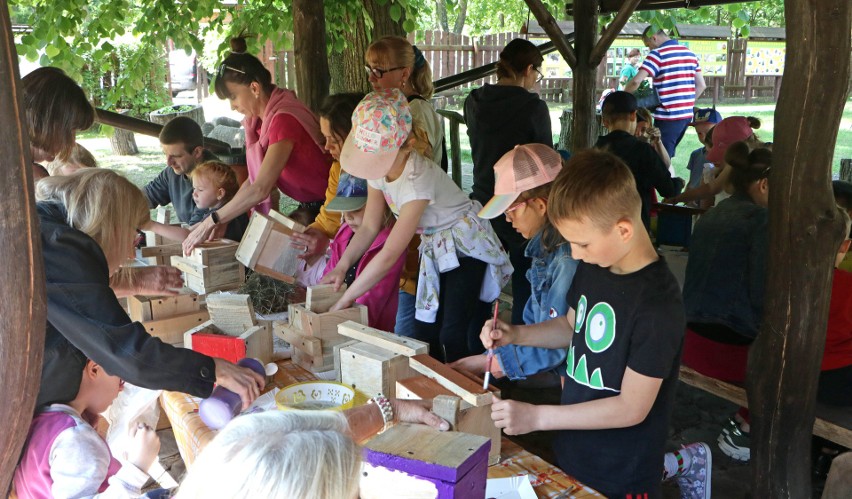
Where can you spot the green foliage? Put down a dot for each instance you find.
(741, 17)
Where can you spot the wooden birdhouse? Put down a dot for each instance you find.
(167, 317)
(266, 246)
(232, 332)
(211, 266)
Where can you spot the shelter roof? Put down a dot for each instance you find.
(687, 31)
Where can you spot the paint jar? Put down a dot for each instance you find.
(223, 405)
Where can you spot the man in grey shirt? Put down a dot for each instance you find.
(182, 143)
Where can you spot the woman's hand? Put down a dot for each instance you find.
(313, 241)
(417, 411)
(200, 233)
(335, 277)
(240, 380)
(503, 334)
(151, 281)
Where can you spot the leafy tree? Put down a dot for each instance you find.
(741, 17)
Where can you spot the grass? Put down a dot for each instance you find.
(146, 165)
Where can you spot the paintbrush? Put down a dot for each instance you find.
(490, 357)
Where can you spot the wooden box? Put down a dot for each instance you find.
(159, 249)
(266, 248)
(152, 308)
(232, 331)
(424, 463)
(461, 415)
(212, 266)
(172, 329)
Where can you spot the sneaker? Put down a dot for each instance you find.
(694, 482)
(735, 443)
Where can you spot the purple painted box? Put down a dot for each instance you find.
(416, 461)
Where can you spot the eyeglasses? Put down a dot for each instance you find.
(540, 76)
(224, 67)
(380, 73)
(515, 206)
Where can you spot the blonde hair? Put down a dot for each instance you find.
(597, 185)
(393, 51)
(222, 176)
(275, 454)
(102, 204)
(80, 157)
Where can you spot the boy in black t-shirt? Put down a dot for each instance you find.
(623, 332)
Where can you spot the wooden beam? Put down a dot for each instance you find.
(548, 23)
(22, 296)
(151, 129)
(585, 130)
(611, 32)
(804, 234)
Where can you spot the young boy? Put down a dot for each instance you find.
(703, 120)
(627, 319)
(182, 143)
(619, 117)
(64, 455)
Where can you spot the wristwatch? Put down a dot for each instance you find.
(215, 217)
(386, 409)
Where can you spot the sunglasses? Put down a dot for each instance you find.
(224, 67)
(380, 73)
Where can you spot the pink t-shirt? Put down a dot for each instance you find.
(305, 177)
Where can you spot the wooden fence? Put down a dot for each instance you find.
(450, 53)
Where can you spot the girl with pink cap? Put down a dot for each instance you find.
(462, 264)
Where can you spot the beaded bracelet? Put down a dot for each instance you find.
(385, 408)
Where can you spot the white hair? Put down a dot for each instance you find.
(278, 454)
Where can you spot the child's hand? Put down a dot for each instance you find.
(474, 364)
(504, 334)
(515, 418)
(342, 303)
(335, 278)
(144, 447)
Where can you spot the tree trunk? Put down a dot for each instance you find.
(310, 52)
(347, 67)
(441, 15)
(462, 10)
(22, 298)
(585, 74)
(123, 141)
(804, 228)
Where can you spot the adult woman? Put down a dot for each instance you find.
(88, 224)
(301, 454)
(283, 146)
(56, 108)
(727, 132)
(335, 115)
(498, 118)
(723, 288)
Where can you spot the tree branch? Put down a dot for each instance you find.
(548, 23)
(611, 32)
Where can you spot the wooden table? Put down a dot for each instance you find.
(192, 435)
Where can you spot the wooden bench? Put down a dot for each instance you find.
(831, 423)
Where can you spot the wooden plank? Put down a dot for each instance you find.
(391, 342)
(188, 266)
(314, 364)
(232, 313)
(171, 330)
(461, 385)
(372, 370)
(139, 308)
(307, 344)
(165, 250)
(419, 387)
(258, 341)
(286, 221)
(163, 307)
(336, 352)
(321, 297)
(249, 249)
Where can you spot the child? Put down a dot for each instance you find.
(703, 120)
(65, 457)
(843, 195)
(649, 170)
(80, 157)
(522, 194)
(213, 185)
(381, 299)
(461, 261)
(627, 319)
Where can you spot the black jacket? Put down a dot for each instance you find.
(85, 321)
(498, 118)
(648, 168)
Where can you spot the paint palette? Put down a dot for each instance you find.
(315, 396)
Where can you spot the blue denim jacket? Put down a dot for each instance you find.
(550, 276)
(726, 271)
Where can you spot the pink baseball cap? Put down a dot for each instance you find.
(523, 168)
(380, 126)
(728, 131)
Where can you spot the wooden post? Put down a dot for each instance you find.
(22, 299)
(309, 47)
(804, 228)
(548, 23)
(585, 34)
(612, 31)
